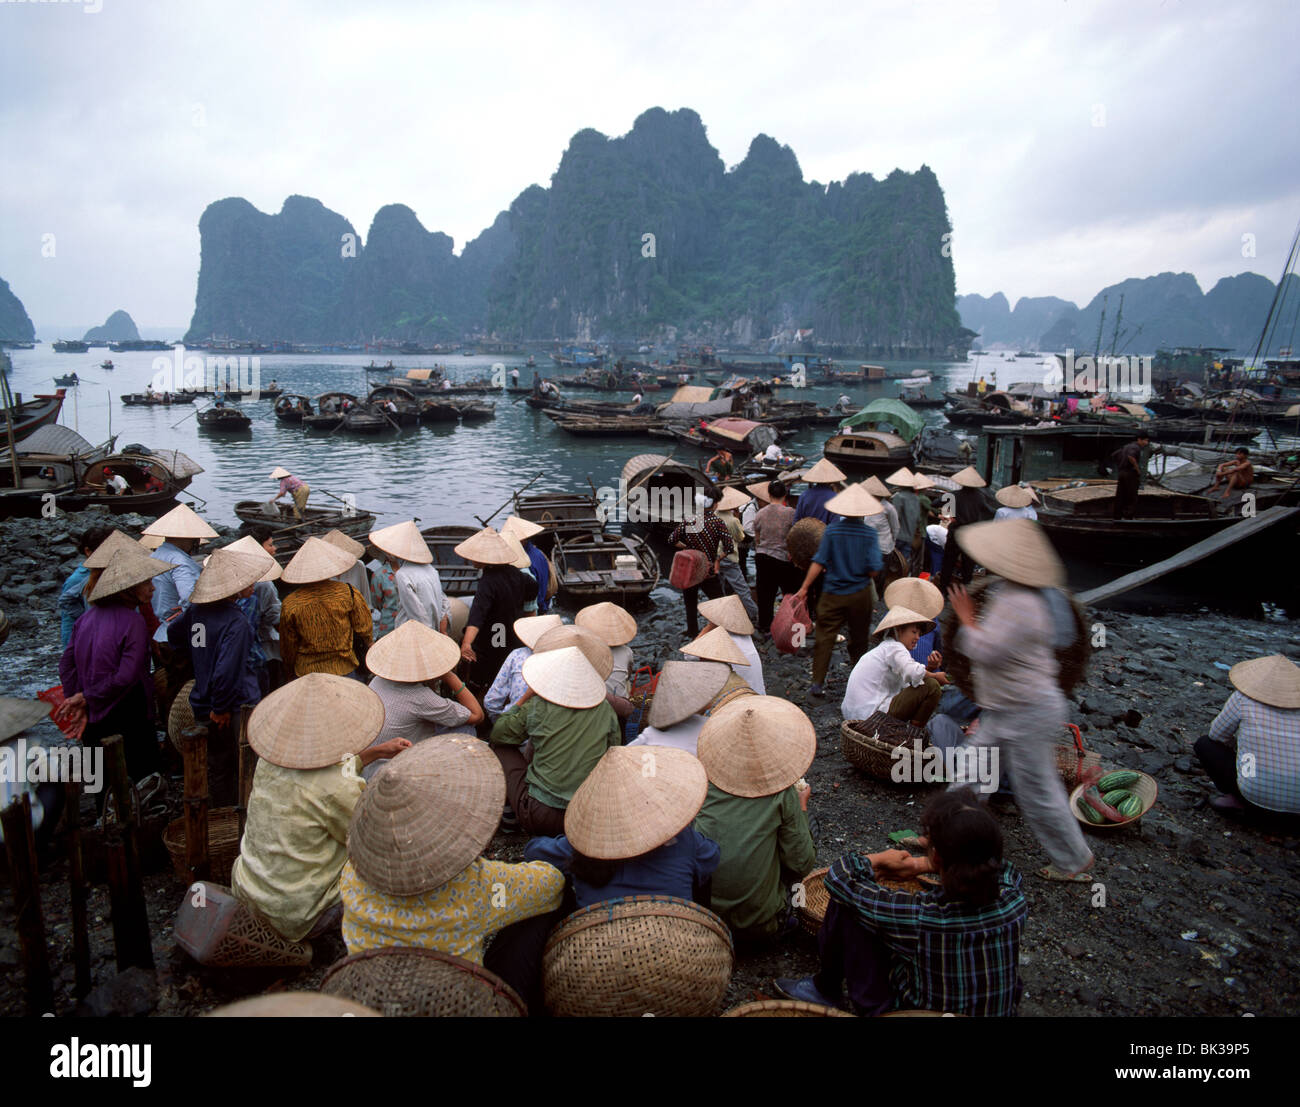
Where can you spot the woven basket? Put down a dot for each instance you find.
(1073, 761)
(869, 744)
(1072, 661)
(252, 942)
(784, 1009)
(802, 541)
(181, 716)
(1145, 789)
(223, 844)
(639, 955)
(405, 981)
(816, 898)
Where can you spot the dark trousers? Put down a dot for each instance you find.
(773, 575)
(515, 954)
(852, 954)
(223, 761)
(129, 718)
(711, 587)
(1126, 493)
(954, 563)
(534, 816)
(1220, 762)
(835, 611)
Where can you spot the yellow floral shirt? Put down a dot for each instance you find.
(455, 917)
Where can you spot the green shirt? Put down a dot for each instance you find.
(757, 837)
(567, 743)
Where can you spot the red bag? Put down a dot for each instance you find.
(690, 567)
(792, 614)
(55, 697)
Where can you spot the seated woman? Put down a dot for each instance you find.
(311, 738)
(407, 664)
(616, 628)
(754, 751)
(509, 684)
(729, 614)
(627, 830)
(888, 679)
(684, 691)
(956, 949)
(1252, 752)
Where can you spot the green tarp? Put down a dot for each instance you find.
(905, 422)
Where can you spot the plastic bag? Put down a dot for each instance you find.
(792, 625)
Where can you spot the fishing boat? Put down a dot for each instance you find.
(439, 411)
(740, 436)
(915, 392)
(598, 567)
(291, 531)
(292, 408)
(759, 468)
(329, 411)
(476, 411)
(459, 577)
(37, 480)
(70, 381)
(71, 346)
(224, 419)
(170, 472)
(27, 416)
(368, 419)
(405, 409)
(660, 491)
(106, 364)
(938, 451)
(990, 410)
(876, 440)
(561, 515)
(157, 399)
(603, 426)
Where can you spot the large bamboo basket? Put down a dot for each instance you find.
(404, 981)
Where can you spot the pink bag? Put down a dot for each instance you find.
(690, 567)
(792, 614)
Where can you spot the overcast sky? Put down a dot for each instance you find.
(1077, 143)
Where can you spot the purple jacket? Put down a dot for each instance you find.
(107, 657)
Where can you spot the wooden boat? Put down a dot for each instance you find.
(476, 411)
(329, 411)
(368, 419)
(439, 411)
(70, 381)
(157, 399)
(404, 400)
(561, 406)
(71, 346)
(599, 426)
(28, 416)
(292, 407)
(106, 364)
(914, 391)
(740, 436)
(660, 491)
(877, 439)
(224, 419)
(621, 569)
(562, 514)
(291, 532)
(459, 577)
(38, 478)
(173, 470)
(756, 468)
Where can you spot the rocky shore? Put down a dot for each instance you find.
(1195, 913)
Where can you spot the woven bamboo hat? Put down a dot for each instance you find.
(916, 594)
(457, 616)
(757, 746)
(314, 721)
(729, 613)
(317, 560)
(856, 502)
(521, 529)
(1274, 680)
(607, 621)
(634, 801)
(125, 570)
(715, 645)
(429, 814)
(1014, 495)
(250, 545)
(1016, 549)
(227, 572)
(732, 498)
(16, 715)
(760, 491)
(920, 482)
(876, 487)
(565, 677)
(824, 472)
(279, 473)
(403, 540)
(180, 522)
(150, 542)
(532, 627)
(344, 542)
(900, 616)
(412, 653)
(488, 547)
(522, 560)
(685, 688)
(969, 478)
(103, 553)
(598, 655)
(293, 1005)
(901, 478)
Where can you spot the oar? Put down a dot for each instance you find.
(510, 501)
(349, 504)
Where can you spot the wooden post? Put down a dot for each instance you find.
(20, 846)
(194, 749)
(247, 765)
(125, 884)
(77, 888)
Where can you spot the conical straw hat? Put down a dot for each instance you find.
(901, 617)
(403, 540)
(876, 487)
(16, 715)
(249, 544)
(916, 594)
(292, 1005)
(317, 560)
(103, 553)
(1016, 549)
(635, 800)
(457, 616)
(607, 621)
(757, 746)
(565, 677)
(150, 542)
(729, 613)
(732, 498)
(760, 491)
(412, 653)
(344, 542)
(180, 522)
(532, 627)
(314, 721)
(1013, 495)
(487, 548)
(279, 473)
(125, 570)
(684, 689)
(598, 655)
(920, 482)
(716, 645)
(902, 478)
(521, 529)
(1274, 680)
(522, 560)
(227, 572)
(856, 502)
(824, 472)
(969, 478)
(430, 813)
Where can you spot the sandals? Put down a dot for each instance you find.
(1051, 872)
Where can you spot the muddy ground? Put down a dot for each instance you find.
(1199, 910)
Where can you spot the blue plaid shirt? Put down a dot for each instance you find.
(1268, 751)
(947, 955)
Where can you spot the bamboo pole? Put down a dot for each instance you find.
(9, 423)
(20, 846)
(78, 892)
(131, 939)
(194, 749)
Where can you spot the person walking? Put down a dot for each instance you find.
(1129, 475)
(970, 509)
(773, 571)
(709, 535)
(292, 486)
(824, 481)
(733, 576)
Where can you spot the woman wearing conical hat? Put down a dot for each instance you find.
(907, 504)
(181, 531)
(824, 480)
(1017, 502)
(728, 614)
(888, 679)
(500, 597)
(730, 566)
(1252, 752)
(524, 532)
(419, 587)
(325, 625)
(684, 693)
(509, 685)
(72, 603)
(616, 627)
(970, 508)
(292, 486)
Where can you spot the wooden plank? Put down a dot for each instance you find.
(1229, 536)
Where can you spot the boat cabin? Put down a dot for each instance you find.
(1009, 455)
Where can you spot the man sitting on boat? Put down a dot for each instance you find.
(114, 483)
(720, 465)
(1239, 473)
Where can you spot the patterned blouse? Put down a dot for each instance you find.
(455, 917)
(318, 623)
(383, 597)
(509, 684)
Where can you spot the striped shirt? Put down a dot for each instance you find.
(1268, 751)
(318, 623)
(947, 955)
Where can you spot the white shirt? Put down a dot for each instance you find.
(753, 672)
(620, 678)
(419, 595)
(118, 484)
(173, 589)
(937, 534)
(356, 576)
(684, 736)
(772, 453)
(884, 527)
(878, 677)
(1026, 512)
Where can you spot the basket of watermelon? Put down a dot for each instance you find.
(1106, 800)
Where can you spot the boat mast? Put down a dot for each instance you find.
(9, 418)
(1114, 338)
(1096, 348)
